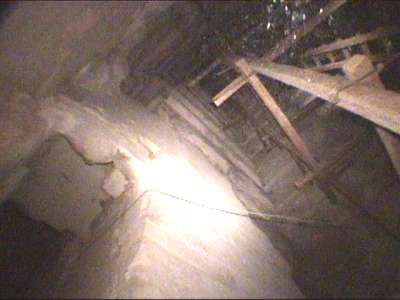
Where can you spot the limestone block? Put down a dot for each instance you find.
(61, 190)
(115, 183)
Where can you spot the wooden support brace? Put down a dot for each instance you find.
(290, 131)
(354, 40)
(357, 67)
(375, 104)
(277, 112)
(339, 64)
(229, 90)
(282, 46)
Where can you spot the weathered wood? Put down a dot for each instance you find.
(357, 67)
(328, 67)
(282, 46)
(355, 40)
(339, 64)
(285, 44)
(229, 90)
(218, 61)
(277, 112)
(302, 156)
(206, 71)
(375, 104)
(392, 145)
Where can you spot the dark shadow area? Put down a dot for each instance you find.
(27, 249)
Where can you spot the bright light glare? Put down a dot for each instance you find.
(177, 177)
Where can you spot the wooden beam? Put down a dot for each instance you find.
(339, 64)
(285, 44)
(355, 40)
(357, 67)
(277, 112)
(229, 90)
(218, 61)
(375, 104)
(305, 154)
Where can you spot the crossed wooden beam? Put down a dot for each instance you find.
(369, 101)
(283, 45)
(337, 53)
(249, 76)
(373, 103)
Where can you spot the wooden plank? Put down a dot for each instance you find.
(218, 61)
(328, 67)
(392, 145)
(277, 113)
(375, 104)
(285, 44)
(229, 90)
(357, 67)
(355, 40)
(339, 64)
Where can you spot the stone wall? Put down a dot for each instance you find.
(162, 232)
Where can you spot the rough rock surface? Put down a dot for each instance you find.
(152, 242)
(115, 183)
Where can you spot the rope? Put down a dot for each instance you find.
(248, 214)
(335, 98)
